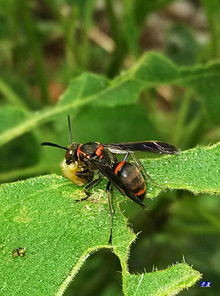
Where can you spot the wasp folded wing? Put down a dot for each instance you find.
(107, 171)
(147, 146)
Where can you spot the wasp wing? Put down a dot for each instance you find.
(107, 171)
(146, 146)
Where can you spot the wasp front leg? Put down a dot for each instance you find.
(92, 184)
(86, 175)
(89, 186)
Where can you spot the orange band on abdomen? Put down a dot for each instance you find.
(118, 167)
(140, 192)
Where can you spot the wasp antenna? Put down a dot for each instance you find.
(53, 145)
(70, 131)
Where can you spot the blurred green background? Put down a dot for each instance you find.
(45, 43)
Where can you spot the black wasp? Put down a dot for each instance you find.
(83, 160)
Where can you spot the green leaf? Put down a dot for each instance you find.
(23, 151)
(10, 117)
(212, 11)
(58, 234)
(83, 87)
(204, 81)
(196, 170)
(181, 45)
(103, 127)
(151, 70)
(29, 207)
(143, 8)
(164, 282)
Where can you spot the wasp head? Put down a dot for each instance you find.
(71, 155)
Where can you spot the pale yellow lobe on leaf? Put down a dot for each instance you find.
(70, 170)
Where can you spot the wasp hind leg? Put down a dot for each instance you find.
(111, 210)
(140, 166)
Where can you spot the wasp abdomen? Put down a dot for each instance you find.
(132, 178)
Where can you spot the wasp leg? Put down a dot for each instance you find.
(126, 156)
(88, 187)
(82, 199)
(111, 210)
(142, 169)
(138, 163)
(82, 173)
(114, 157)
(92, 184)
(85, 174)
(147, 176)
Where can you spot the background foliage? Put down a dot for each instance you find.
(124, 71)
